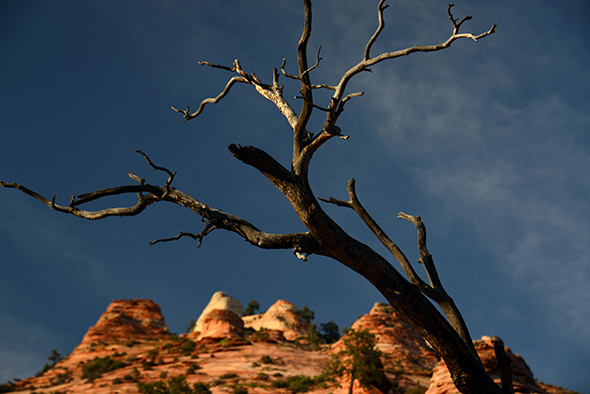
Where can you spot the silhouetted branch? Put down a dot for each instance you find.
(504, 364)
(142, 202)
(440, 295)
(356, 205)
(164, 169)
(435, 290)
(226, 68)
(180, 235)
(209, 226)
(425, 257)
(300, 131)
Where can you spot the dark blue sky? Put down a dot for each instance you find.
(488, 142)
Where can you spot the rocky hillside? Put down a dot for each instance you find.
(277, 351)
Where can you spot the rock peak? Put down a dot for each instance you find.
(522, 376)
(220, 301)
(281, 316)
(126, 320)
(130, 344)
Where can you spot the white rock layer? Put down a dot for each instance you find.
(219, 300)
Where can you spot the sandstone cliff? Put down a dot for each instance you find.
(220, 301)
(262, 354)
(409, 359)
(522, 376)
(281, 316)
(128, 320)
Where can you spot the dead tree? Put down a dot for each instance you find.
(411, 297)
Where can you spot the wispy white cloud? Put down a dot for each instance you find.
(519, 172)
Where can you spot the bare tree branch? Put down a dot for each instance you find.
(157, 168)
(196, 237)
(314, 105)
(220, 220)
(286, 74)
(300, 128)
(211, 100)
(263, 162)
(441, 297)
(380, 8)
(449, 337)
(504, 363)
(209, 226)
(226, 68)
(142, 203)
(316, 65)
(345, 99)
(435, 290)
(272, 92)
(456, 25)
(157, 192)
(356, 205)
(301, 163)
(367, 61)
(302, 241)
(425, 257)
(323, 86)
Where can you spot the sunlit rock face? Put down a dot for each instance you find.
(409, 358)
(254, 351)
(522, 376)
(221, 301)
(128, 320)
(220, 323)
(281, 316)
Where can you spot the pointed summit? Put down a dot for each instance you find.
(128, 320)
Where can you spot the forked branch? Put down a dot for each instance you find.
(391, 246)
(211, 100)
(368, 61)
(456, 25)
(443, 299)
(316, 65)
(209, 226)
(143, 200)
(504, 363)
(300, 131)
(272, 92)
(435, 290)
(148, 194)
(381, 7)
(325, 237)
(171, 174)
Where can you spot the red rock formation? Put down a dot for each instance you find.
(133, 333)
(128, 320)
(282, 316)
(408, 360)
(219, 323)
(522, 376)
(219, 300)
